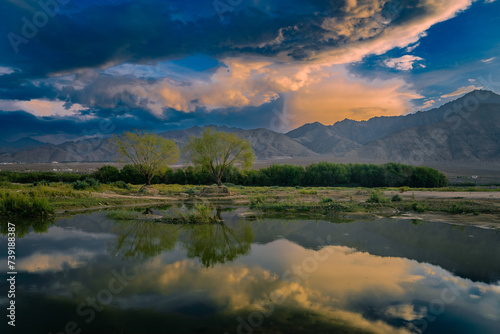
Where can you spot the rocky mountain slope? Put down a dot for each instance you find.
(465, 130)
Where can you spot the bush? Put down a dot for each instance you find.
(41, 183)
(122, 185)
(202, 214)
(326, 200)
(81, 185)
(396, 198)
(377, 197)
(24, 206)
(259, 199)
(92, 182)
(87, 183)
(107, 174)
(417, 207)
(308, 192)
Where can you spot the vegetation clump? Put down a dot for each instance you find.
(376, 196)
(87, 183)
(22, 205)
(202, 214)
(396, 198)
(122, 185)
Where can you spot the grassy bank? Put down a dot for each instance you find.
(23, 205)
(43, 198)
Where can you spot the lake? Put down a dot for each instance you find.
(89, 274)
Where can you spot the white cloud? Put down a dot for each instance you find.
(39, 107)
(376, 35)
(6, 70)
(411, 48)
(406, 312)
(489, 60)
(428, 104)
(404, 63)
(461, 91)
(53, 262)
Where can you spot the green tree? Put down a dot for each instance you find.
(217, 151)
(148, 152)
(107, 174)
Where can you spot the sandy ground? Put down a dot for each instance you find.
(447, 194)
(482, 221)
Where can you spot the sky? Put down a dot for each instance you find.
(77, 68)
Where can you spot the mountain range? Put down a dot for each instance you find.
(466, 130)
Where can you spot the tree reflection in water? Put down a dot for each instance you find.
(210, 243)
(140, 240)
(26, 225)
(218, 243)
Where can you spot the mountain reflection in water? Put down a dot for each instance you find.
(271, 276)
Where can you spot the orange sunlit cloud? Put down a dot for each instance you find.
(341, 97)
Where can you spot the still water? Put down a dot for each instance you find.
(90, 274)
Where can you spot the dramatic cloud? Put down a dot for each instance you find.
(42, 107)
(404, 63)
(176, 59)
(344, 96)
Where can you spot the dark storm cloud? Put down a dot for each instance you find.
(65, 57)
(82, 35)
(17, 124)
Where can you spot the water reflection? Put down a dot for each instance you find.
(141, 240)
(25, 226)
(272, 276)
(218, 243)
(210, 243)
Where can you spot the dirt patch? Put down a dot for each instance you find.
(149, 190)
(217, 191)
(487, 221)
(447, 194)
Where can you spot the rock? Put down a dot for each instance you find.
(214, 191)
(149, 190)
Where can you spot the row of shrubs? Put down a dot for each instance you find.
(316, 175)
(322, 174)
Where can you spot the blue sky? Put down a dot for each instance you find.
(70, 65)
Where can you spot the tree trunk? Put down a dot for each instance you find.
(149, 178)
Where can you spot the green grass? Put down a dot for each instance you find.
(201, 214)
(308, 192)
(122, 215)
(376, 196)
(447, 206)
(328, 207)
(22, 205)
